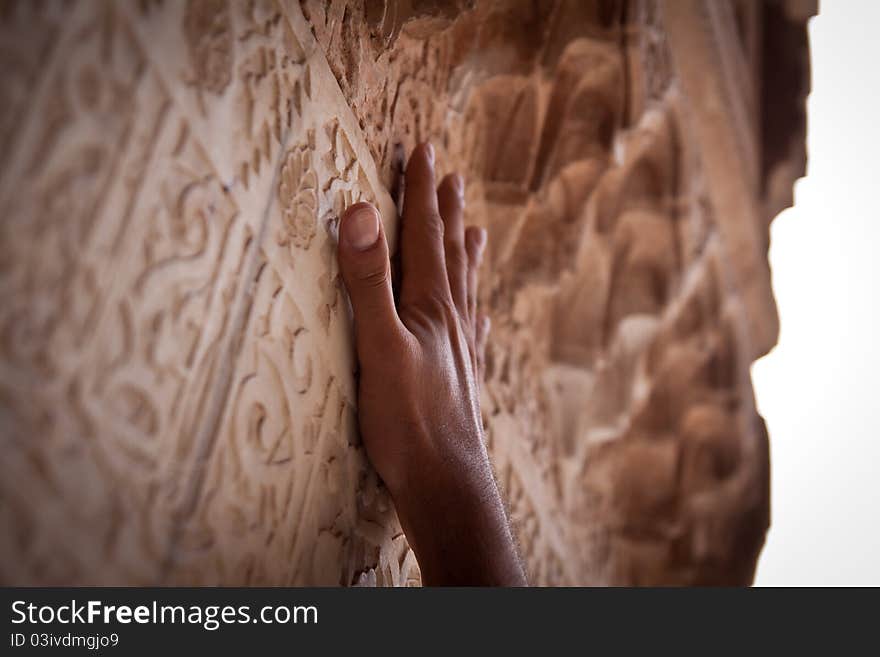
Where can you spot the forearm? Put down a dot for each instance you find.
(460, 532)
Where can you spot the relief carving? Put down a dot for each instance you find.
(208, 33)
(298, 196)
(178, 398)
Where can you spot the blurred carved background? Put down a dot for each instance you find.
(177, 398)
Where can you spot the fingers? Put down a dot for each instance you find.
(422, 256)
(366, 271)
(482, 338)
(474, 241)
(450, 198)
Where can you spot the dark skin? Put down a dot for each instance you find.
(419, 394)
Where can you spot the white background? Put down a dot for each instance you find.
(818, 388)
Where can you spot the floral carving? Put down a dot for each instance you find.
(298, 194)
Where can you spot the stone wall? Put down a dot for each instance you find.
(177, 395)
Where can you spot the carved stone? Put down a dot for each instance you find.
(177, 394)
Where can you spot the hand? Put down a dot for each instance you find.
(418, 394)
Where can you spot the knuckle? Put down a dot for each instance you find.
(446, 313)
(455, 255)
(434, 225)
(435, 310)
(474, 243)
(373, 277)
(386, 355)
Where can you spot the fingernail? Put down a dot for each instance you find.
(458, 183)
(429, 149)
(360, 227)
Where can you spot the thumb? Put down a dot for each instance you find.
(366, 271)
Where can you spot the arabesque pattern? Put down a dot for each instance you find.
(177, 377)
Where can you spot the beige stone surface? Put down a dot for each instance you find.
(177, 377)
